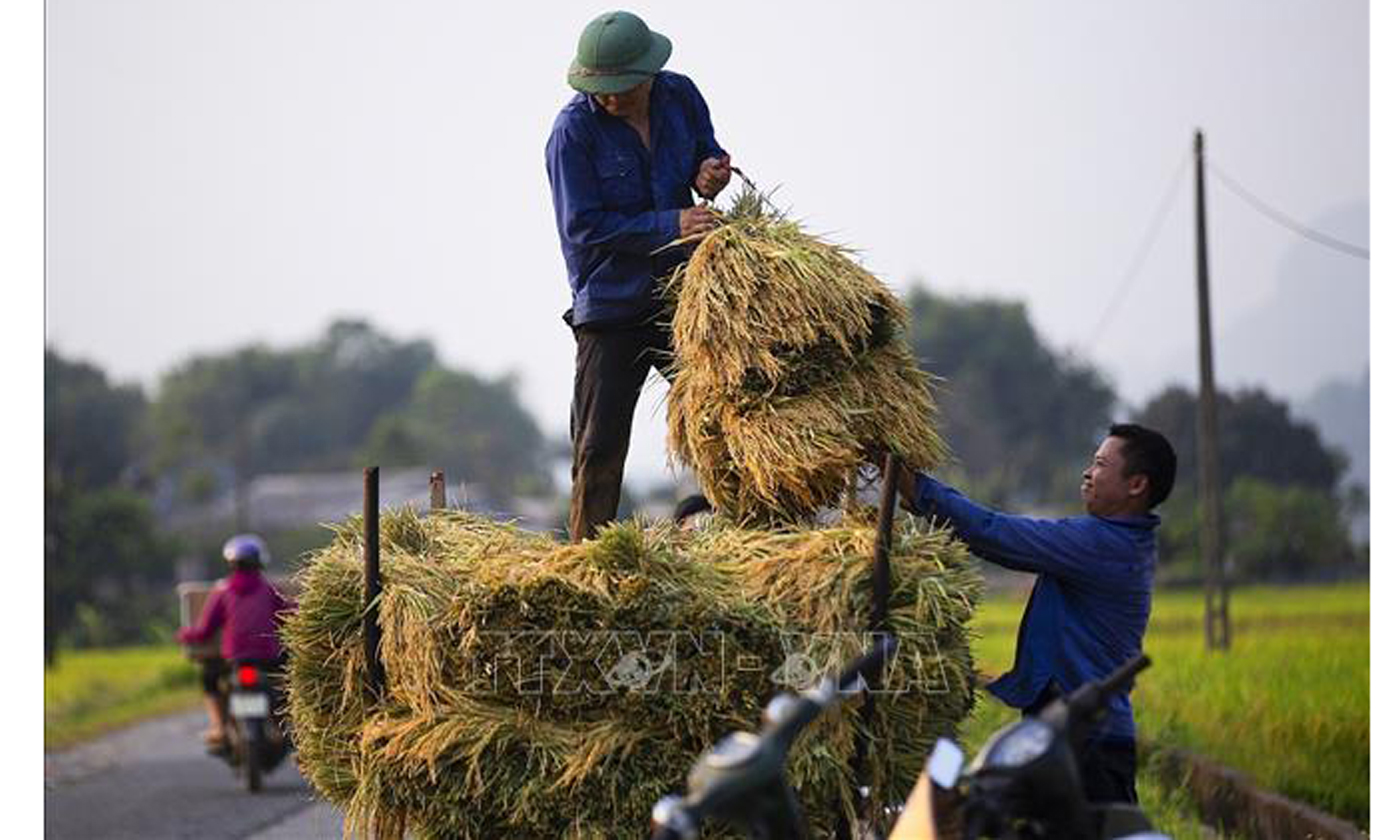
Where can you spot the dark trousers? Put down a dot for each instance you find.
(610, 366)
(1107, 765)
(1108, 769)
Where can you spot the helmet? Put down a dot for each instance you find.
(247, 550)
(616, 52)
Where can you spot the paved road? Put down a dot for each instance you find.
(153, 781)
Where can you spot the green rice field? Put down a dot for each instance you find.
(92, 691)
(1288, 704)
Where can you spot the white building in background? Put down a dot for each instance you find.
(282, 501)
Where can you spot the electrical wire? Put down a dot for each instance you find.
(1278, 217)
(1149, 239)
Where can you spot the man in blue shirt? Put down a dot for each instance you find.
(1093, 588)
(623, 158)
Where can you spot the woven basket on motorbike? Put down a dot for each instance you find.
(539, 691)
(790, 363)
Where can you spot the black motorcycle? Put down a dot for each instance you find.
(255, 742)
(1025, 783)
(742, 782)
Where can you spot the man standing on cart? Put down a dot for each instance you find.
(623, 159)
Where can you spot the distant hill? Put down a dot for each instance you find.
(1313, 328)
(1316, 326)
(1341, 408)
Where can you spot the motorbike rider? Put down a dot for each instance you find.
(249, 610)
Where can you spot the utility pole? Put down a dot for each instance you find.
(1207, 427)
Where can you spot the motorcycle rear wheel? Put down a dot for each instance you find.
(253, 756)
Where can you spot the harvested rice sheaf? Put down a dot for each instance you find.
(539, 690)
(790, 362)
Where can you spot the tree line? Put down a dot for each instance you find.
(1019, 416)
(115, 459)
(1021, 420)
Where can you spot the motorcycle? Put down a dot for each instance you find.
(1024, 783)
(741, 780)
(254, 740)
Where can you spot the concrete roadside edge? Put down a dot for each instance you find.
(316, 821)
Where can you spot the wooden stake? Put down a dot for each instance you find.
(437, 491)
(373, 585)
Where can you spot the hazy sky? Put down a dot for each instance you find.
(220, 173)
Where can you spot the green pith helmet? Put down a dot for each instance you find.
(616, 52)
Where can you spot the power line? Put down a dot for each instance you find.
(1297, 227)
(1149, 239)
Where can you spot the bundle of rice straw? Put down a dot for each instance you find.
(536, 690)
(789, 362)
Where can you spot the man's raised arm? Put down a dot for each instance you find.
(1062, 547)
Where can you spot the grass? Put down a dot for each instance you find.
(1289, 704)
(93, 691)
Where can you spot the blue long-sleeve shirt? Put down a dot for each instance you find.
(1093, 592)
(616, 202)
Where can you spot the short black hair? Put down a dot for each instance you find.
(691, 506)
(1147, 452)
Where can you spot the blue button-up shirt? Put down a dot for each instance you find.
(1093, 591)
(616, 202)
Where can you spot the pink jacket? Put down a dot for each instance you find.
(249, 609)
